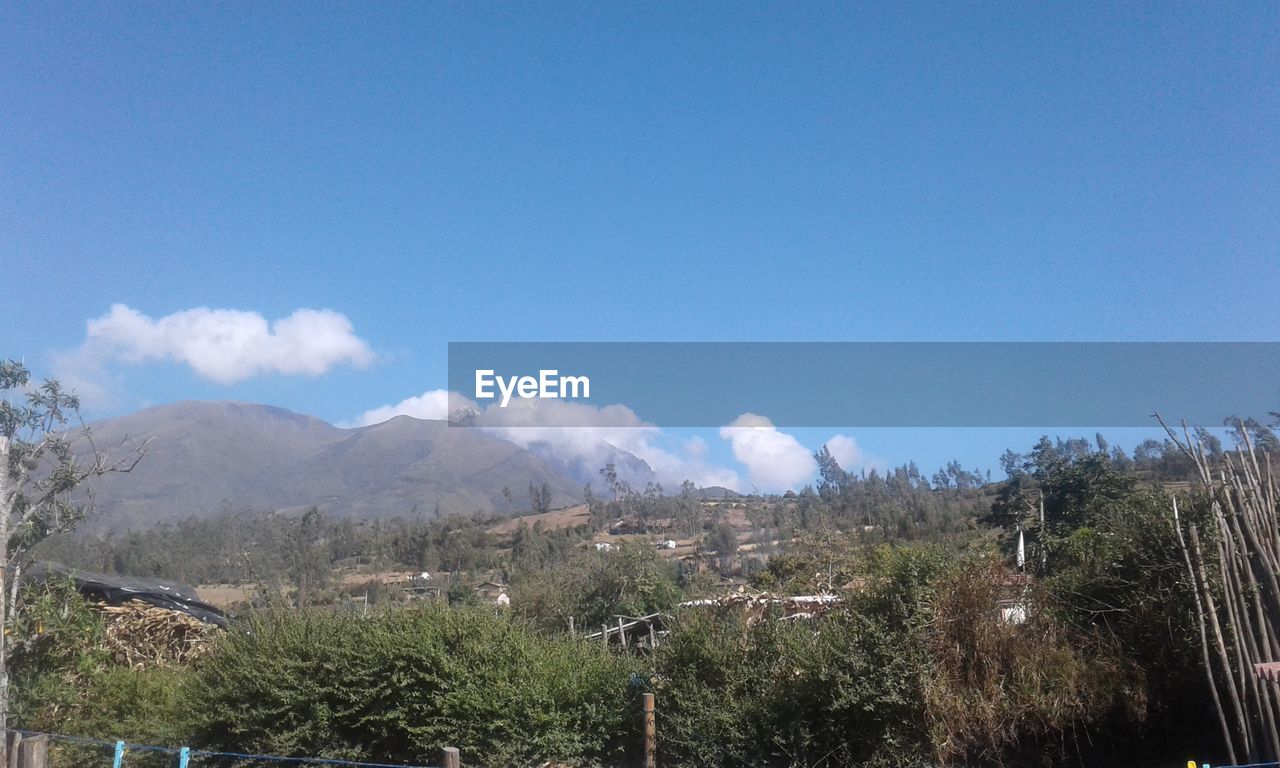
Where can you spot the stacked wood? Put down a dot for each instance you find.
(142, 635)
(1239, 612)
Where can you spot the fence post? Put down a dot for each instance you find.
(452, 758)
(119, 758)
(650, 734)
(12, 740)
(33, 752)
(184, 757)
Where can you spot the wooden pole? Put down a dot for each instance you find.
(650, 734)
(452, 758)
(12, 740)
(571, 632)
(33, 752)
(622, 632)
(1211, 610)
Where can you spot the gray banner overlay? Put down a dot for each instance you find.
(896, 384)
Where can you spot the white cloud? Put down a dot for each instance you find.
(432, 404)
(222, 345)
(847, 452)
(851, 456)
(695, 447)
(775, 460)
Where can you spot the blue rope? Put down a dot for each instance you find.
(115, 745)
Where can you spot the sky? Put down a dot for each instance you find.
(302, 204)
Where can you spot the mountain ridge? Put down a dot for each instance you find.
(206, 458)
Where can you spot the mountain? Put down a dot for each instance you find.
(583, 467)
(209, 458)
(717, 492)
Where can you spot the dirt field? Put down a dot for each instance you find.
(568, 517)
(222, 595)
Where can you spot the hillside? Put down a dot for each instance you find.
(210, 458)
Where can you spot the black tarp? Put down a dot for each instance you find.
(115, 590)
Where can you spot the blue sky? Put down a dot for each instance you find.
(522, 171)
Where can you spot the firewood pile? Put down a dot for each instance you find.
(142, 635)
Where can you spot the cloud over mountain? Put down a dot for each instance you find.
(580, 438)
(432, 404)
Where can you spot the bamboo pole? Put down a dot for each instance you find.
(1233, 692)
(1204, 640)
(1241, 492)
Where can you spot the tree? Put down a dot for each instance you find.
(723, 540)
(610, 474)
(834, 477)
(540, 497)
(310, 565)
(40, 472)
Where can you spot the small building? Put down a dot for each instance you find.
(1013, 598)
(493, 592)
(1012, 610)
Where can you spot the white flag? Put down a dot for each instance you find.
(1022, 551)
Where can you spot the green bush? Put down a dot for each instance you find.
(401, 685)
(57, 648)
(842, 691)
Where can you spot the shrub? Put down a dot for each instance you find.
(840, 692)
(401, 685)
(1003, 692)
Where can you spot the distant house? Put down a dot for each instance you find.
(423, 585)
(1013, 599)
(493, 592)
(604, 546)
(668, 544)
(1012, 610)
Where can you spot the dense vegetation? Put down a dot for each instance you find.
(913, 667)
